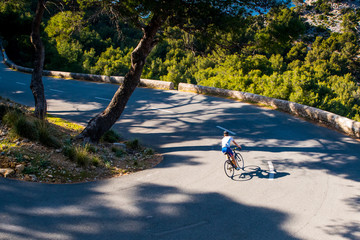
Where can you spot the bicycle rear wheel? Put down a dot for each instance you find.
(229, 168)
(239, 160)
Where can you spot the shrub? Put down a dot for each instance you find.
(26, 128)
(11, 117)
(110, 136)
(133, 144)
(31, 170)
(3, 110)
(69, 151)
(45, 136)
(90, 148)
(96, 161)
(80, 155)
(149, 151)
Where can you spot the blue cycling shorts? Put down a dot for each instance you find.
(228, 151)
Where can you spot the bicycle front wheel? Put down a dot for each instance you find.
(229, 168)
(239, 160)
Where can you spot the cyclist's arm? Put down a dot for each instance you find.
(236, 144)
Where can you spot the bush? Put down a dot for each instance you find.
(45, 136)
(111, 136)
(3, 110)
(11, 117)
(90, 148)
(31, 170)
(31, 128)
(133, 144)
(81, 155)
(149, 151)
(25, 128)
(118, 151)
(69, 151)
(96, 161)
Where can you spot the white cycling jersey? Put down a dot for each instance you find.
(226, 141)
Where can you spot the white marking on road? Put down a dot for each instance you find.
(181, 228)
(20, 83)
(232, 133)
(105, 99)
(54, 90)
(271, 170)
(163, 110)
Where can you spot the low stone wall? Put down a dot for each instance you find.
(13, 65)
(148, 83)
(332, 120)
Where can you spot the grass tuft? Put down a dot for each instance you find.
(133, 144)
(45, 135)
(26, 128)
(110, 136)
(81, 155)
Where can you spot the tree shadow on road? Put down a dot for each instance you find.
(144, 211)
(252, 171)
(71, 212)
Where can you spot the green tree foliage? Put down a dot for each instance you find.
(15, 28)
(113, 62)
(264, 54)
(321, 77)
(322, 6)
(283, 27)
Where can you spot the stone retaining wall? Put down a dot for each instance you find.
(332, 120)
(148, 83)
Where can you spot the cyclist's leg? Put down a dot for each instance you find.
(239, 160)
(234, 161)
(232, 156)
(227, 151)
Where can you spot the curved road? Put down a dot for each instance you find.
(313, 194)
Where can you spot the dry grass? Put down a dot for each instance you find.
(32, 158)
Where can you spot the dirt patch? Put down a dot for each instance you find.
(23, 159)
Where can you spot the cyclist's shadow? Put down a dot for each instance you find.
(251, 171)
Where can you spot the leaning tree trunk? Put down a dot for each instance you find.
(105, 120)
(36, 85)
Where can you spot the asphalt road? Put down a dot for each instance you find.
(314, 193)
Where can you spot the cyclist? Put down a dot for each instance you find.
(225, 144)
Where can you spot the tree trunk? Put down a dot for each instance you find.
(36, 85)
(105, 120)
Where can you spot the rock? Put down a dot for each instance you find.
(33, 177)
(6, 171)
(120, 145)
(19, 168)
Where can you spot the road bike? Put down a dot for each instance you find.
(229, 167)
